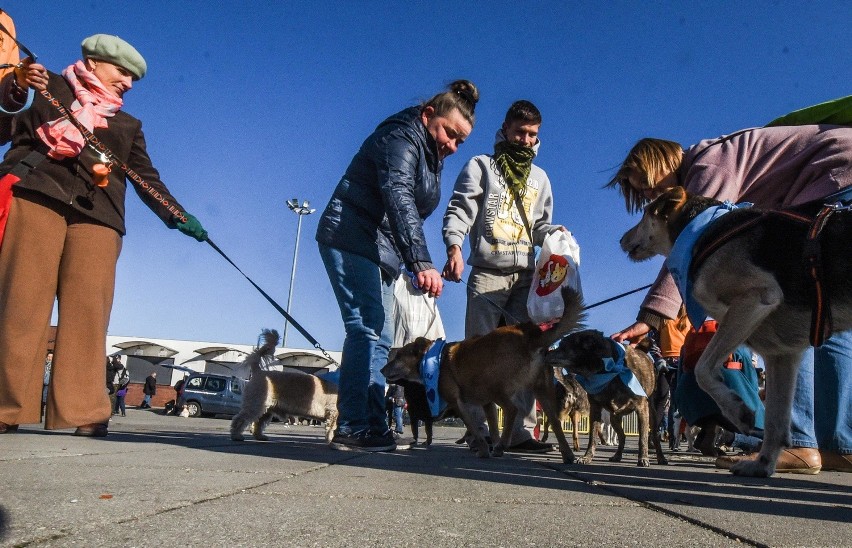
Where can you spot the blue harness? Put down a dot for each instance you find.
(612, 368)
(682, 253)
(430, 369)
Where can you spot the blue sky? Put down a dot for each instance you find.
(248, 104)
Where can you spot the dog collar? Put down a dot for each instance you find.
(682, 252)
(430, 369)
(612, 368)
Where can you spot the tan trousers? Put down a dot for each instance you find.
(52, 252)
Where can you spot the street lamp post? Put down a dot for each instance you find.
(300, 210)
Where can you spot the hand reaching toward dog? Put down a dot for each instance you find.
(455, 264)
(632, 334)
(429, 281)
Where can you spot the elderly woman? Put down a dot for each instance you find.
(64, 231)
(772, 167)
(374, 222)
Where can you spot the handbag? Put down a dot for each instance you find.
(415, 313)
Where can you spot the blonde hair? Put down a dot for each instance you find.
(461, 95)
(650, 159)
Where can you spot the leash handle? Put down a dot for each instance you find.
(277, 306)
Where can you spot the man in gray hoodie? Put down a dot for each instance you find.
(506, 204)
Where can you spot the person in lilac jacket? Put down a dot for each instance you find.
(772, 167)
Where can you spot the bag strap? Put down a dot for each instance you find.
(99, 147)
(520, 206)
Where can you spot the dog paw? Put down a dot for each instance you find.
(584, 460)
(615, 458)
(754, 468)
(237, 437)
(261, 437)
(497, 451)
(643, 463)
(569, 459)
(483, 453)
(662, 460)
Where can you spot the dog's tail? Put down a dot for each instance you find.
(263, 353)
(572, 319)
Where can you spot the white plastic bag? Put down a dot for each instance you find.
(558, 264)
(415, 313)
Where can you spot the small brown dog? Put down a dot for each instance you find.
(574, 403)
(584, 353)
(282, 393)
(494, 369)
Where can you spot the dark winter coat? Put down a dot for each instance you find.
(391, 185)
(70, 180)
(150, 387)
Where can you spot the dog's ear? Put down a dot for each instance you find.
(668, 203)
(422, 344)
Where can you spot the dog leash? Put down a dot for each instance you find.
(589, 307)
(277, 306)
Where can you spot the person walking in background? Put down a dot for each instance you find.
(505, 203)
(48, 365)
(150, 390)
(396, 402)
(772, 167)
(64, 232)
(120, 396)
(374, 222)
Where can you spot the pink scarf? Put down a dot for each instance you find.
(94, 104)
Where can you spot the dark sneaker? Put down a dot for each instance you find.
(531, 446)
(362, 442)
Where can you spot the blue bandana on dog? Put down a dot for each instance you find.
(681, 256)
(430, 369)
(612, 369)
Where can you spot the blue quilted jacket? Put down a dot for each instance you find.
(391, 185)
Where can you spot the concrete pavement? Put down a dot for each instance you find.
(163, 480)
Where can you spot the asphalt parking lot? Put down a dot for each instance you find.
(164, 480)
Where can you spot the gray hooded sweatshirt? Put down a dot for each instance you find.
(483, 206)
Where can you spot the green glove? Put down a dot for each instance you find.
(192, 228)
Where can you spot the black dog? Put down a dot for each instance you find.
(584, 353)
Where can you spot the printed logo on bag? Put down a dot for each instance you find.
(551, 275)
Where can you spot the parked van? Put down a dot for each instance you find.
(209, 394)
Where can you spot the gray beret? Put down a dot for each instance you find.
(113, 49)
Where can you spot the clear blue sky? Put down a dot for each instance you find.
(248, 104)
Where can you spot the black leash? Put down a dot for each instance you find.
(277, 306)
(516, 320)
(631, 292)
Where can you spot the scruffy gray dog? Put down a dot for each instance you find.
(282, 393)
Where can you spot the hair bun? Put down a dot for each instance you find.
(466, 90)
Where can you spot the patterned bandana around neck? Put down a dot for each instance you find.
(515, 163)
(93, 105)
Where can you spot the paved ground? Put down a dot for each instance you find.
(169, 481)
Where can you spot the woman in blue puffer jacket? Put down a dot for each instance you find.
(374, 222)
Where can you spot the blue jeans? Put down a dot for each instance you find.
(822, 407)
(397, 418)
(365, 296)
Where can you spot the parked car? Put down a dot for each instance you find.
(209, 394)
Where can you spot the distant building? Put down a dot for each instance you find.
(173, 359)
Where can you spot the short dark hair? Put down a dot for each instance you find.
(524, 111)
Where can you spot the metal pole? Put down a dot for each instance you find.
(292, 279)
(300, 210)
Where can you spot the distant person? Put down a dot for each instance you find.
(374, 222)
(150, 390)
(505, 202)
(120, 396)
(396, 405)
(64, 233)
(48, 365)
